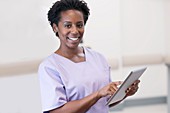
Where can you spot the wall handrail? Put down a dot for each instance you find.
(31, 66)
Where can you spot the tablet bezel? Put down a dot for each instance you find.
(130, 79)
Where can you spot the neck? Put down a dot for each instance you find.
(69, 53)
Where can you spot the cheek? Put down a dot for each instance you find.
(82, 31)
(63, 33)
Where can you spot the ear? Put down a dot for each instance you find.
(55, 28)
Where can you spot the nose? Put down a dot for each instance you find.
(74, 30)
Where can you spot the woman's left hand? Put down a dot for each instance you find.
(133, 88)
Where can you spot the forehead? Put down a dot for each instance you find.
(72, 15)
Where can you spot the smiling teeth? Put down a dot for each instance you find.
(73, 39)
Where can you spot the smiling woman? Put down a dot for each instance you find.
(70, 29)
(74, 79)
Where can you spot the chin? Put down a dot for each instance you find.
(73, 46)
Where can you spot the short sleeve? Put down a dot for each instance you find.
(51, 88)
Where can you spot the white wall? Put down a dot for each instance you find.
(132, 28)
(143, 32)
(103, 27)
(167, 25)
(25, 31)
(143, 27)
(115, 28)
(20, 94)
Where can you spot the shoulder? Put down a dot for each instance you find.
(94, 53)
(48, 68)
(49, 62)
(96, 56)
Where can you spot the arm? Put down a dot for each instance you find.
(78, 106)
(82, 105)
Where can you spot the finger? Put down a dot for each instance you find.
(113, 88)
(128, 89)
(117, 83)
(134, 87)
(132, 90)
(136, 82)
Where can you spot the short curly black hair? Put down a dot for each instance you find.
(54, 14)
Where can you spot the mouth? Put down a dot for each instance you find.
(73, 38)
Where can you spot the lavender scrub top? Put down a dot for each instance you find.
(62, 80)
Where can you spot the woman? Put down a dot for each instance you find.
(75, 79)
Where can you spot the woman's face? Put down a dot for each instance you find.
(70, 28)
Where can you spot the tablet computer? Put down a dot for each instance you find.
(131, 78)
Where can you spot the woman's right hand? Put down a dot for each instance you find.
(109, 89)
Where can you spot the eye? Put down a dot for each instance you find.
(67, 25)
(80, 25)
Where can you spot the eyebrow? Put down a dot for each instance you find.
(71, 22)
(80, 22)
